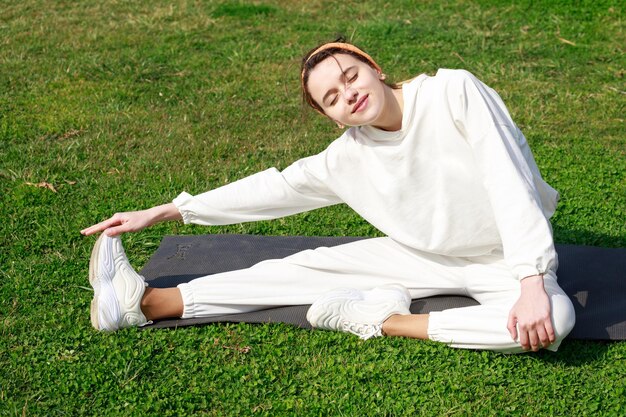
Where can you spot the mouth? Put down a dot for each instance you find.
(359, 104)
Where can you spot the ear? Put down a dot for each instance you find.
(381, 76)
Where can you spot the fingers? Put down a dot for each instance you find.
(524, 339)
(511, 326)
(542, 336)
(537, 337)
(533, 341)
(550, 331)
(545, 334)
(104, 225)
(114, 231)
(529, 339)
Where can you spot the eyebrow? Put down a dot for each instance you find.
(343, 74)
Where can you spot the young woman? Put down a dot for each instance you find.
(436, 164)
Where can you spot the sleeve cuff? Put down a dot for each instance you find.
(522, 272)
(180, 202)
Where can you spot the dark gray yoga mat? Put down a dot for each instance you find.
(594, 278)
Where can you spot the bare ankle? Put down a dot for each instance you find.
(389, 324)
(146, 303)
(160, 303)
(407, 325)
(146, 299)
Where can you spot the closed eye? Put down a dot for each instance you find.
(348, 81)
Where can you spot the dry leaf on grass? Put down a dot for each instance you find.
(566, 41)
(43, 184)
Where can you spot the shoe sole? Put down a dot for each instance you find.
(101, 273)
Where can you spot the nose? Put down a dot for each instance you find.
(349, 94)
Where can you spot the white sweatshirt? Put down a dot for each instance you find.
(458, 179)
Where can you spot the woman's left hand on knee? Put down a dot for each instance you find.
(529, 319)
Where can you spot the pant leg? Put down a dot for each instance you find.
(304, 276)
(490, 282)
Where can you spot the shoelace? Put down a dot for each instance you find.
(364, 331)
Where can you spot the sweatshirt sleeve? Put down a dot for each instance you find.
(497, 144)
(266, 195)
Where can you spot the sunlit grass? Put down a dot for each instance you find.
(119, 105)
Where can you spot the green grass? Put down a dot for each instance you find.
(121, 105)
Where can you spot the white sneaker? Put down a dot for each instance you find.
(118, 289)
(359, 312)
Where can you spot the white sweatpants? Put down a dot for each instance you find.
(301, 278)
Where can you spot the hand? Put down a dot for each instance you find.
(134, 221)
(531, 315)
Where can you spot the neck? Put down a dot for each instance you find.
(391, 119)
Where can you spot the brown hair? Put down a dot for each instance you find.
(323, 51)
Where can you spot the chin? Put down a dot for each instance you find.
(367, 117)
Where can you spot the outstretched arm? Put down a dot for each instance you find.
(134, 221)
(265, 195)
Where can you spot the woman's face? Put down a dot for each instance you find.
(348, 90)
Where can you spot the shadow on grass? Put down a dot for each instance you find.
(588, 238)
(576, 352)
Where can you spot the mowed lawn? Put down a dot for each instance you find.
(119, 105)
